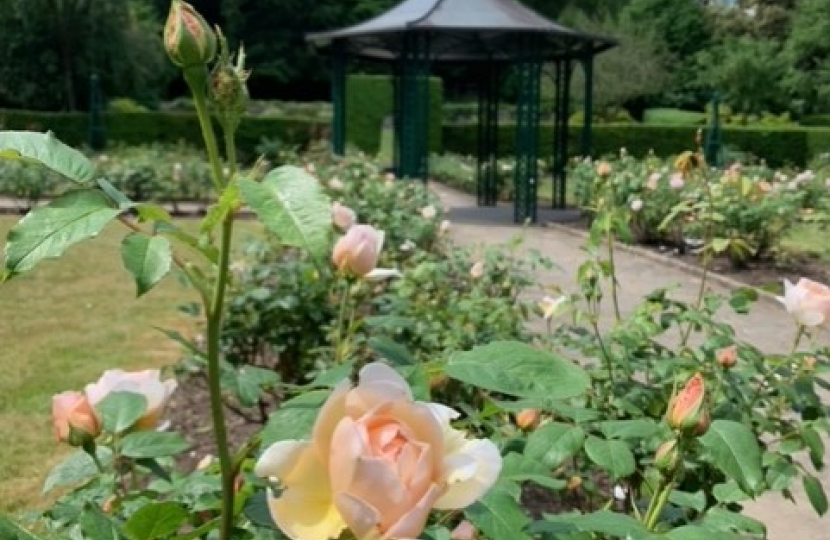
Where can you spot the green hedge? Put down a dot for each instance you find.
(369, 99)
(163, 127)
(785, 146)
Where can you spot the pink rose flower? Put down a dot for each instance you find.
(377, 462)
(807, 301)
(358, 251)
(74, 418)
(148, 383)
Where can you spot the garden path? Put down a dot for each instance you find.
(639, 272)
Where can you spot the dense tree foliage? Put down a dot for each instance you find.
(760, 55)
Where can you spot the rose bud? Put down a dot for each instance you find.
(603, 168)
(528, 419)
(727, 357)
(807, 301)
(685, 411)
(357, 252)
(342, 216)
(667, 456)
(74, 418)
(188, 39)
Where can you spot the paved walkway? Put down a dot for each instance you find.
(767, 326)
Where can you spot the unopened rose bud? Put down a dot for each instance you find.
(342, 216)
(528, 419)
(228, 85)
(686, 409)
(74, 418)
(357, 252)
(603, 168)
(188, 39)
(667, 456)
(727, 357)
(464, 531)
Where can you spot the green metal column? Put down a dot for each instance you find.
(713, 143)
(413, 106)
(489, 82)
(560, 128)
(588, 112)
(525, 177)
(338, 98)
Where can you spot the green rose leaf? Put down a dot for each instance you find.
(613, 456)
(640, 428)
(721, 519)
(553, 443)
(76, 469)
(147, 258)
(522, 468)
(9, 530)
(121, 410)
(156, 520)
(816, 494)
(293, 420)
(517, 369)
(498, 515)
(604, 522)
(696, 532)
(47, 231)
(96, 524)
(292, 204)
(731, 446)
(46, 149)
(153, 444)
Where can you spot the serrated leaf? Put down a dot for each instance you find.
(257, 510)
(732, 448)
(695, 501)
(152, 212)
(78, 468)
(156, 520)
(813, 441)
(498, 515)
(522, 468)
(729, 492)
(9, 530)
(603, 521)
(47, 231)
(615, 457)
(250, 382)
(294, 418)
(816, 494)
(97, 525)
(553, 443)
(517, 369)
(228, 202)
(392, 351)
(723, 520)
(640, 428)
(119, 411)
(147, 258)
(152, 444)
(696, 532)
(46, 149)
(333, 375)
(292, 204)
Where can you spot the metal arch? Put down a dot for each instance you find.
(338, 98)
(564, 68)
(412, 107)
(489, 84)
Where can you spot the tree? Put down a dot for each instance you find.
(808, 51)
(52, 47)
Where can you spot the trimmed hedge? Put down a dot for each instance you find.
(369, 99)
(163, 127)
(785, 146)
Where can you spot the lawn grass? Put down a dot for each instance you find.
(63, 324)
(808, 238)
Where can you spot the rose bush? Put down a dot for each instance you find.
(378, 462)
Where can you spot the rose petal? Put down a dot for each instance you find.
(411, 524)
(379, 274)
(332, 411)
(377, 373)
(306, 515)
(470, 472)
(280, 459)
(361, 517)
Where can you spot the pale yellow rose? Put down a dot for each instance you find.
(74, 418)
(148, 383)
(377, 463)
(807, 301)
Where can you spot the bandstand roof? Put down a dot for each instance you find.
(463, 30)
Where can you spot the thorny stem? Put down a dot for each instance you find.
(340, 349)
(215, 307)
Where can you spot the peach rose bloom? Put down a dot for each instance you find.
(808, 301)
(148, 383)
(377, 463)
(477, 270)
(72, 411)
(429, 212)
(342, 216)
